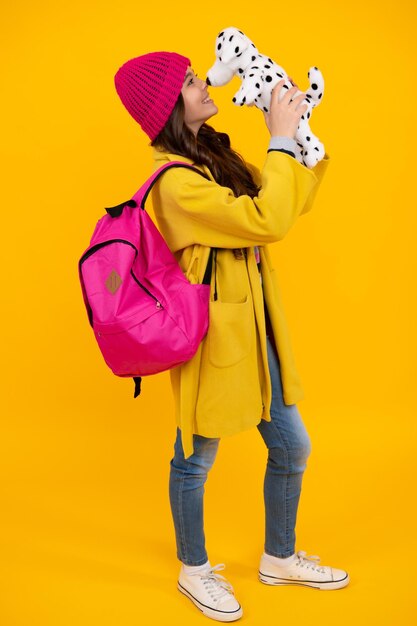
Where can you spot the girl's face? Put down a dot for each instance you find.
(197, 108)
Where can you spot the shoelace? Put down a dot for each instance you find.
(216, 584)
(309, 562)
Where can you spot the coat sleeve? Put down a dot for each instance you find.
(319, 171)
(190, 209)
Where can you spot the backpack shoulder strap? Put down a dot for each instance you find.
(139, 198)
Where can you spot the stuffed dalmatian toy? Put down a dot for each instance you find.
(237, 55)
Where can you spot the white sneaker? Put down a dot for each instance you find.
(303, 571)
(211, 593)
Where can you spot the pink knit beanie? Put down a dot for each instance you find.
(149, 86)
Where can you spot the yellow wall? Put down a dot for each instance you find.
(86, 532)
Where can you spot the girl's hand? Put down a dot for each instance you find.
(292, 83)
(284, 115)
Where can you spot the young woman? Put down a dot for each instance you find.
(243, 374)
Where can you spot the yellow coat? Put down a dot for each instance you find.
(225, 388)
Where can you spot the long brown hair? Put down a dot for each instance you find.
(210, 148)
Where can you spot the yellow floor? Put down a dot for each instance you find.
(87, 537)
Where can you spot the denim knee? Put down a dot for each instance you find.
(203, 457)
(291, 458)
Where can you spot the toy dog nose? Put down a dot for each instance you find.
(208, 81)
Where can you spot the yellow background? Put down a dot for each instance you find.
(85, 528)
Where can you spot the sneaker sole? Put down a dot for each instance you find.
(221, 616)
(332, 584)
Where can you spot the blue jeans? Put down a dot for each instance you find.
(288, 446)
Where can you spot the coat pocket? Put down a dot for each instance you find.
(231, 331)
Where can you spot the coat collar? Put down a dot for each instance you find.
(162, 156)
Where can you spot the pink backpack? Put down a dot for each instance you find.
(146, 315)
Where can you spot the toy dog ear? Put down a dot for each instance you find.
(236, 44)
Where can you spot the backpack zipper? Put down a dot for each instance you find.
(105, 243)
(158, 304)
